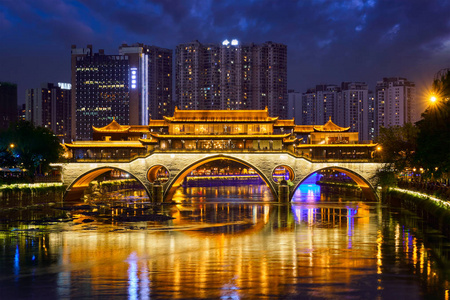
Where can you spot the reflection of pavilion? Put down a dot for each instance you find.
(220, 131)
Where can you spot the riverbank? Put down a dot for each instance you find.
(435, 212)
(28, 194)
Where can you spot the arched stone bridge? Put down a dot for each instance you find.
(77, 175)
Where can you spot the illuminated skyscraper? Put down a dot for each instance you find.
(129, 87)
(232, 76)
(50, 106)
(155, 84)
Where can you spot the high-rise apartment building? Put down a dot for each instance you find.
(21, 112)
(372, 115)
(295, 106)
(232, 76)
(50, 106)
(354, 108)
(8, 104)
(155, 67)
(347, 105)
(130, 87)
(319, 104)
(160, 80)
(309, 107)
(394, 102)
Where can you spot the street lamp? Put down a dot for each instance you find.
(12, 146)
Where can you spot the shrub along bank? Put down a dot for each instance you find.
(29, 194)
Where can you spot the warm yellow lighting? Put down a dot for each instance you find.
(379, 148)
(12, 146)
(433, 99)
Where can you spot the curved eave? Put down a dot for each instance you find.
(327, 130)
(148, 141)
(289, 141)
(106, 145)
(101, 129)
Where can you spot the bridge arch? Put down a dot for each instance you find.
(366, 187)
(287, 168)
(152, 173)
(176, 181)
(76, 189)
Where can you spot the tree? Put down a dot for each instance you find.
(7, 159)
(398, 146)
(434, 130)
(31, 147)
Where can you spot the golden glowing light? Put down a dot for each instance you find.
(379, 148)
(433, 99)
(12, 145)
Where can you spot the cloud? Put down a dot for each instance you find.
(327, 40)
(4, 22)
(391, 33)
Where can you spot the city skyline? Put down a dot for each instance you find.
(232, 76)
(327, 41)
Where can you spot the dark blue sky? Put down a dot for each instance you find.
(328, 41)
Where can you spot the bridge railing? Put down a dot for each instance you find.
(103, 159)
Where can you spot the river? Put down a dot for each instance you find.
(228, 242)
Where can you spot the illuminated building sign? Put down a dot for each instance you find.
(133, 78)
(64, 86)
(234, 42)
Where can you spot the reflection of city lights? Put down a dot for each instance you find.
(379, 253)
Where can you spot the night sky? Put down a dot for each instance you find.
(328, 41)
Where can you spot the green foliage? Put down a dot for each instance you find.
(33, 188)
(434, 132)
(386, 178)
(399, 145)
(34, 147)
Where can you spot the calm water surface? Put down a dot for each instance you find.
(223, 243)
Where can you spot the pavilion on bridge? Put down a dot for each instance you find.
(220, 131)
